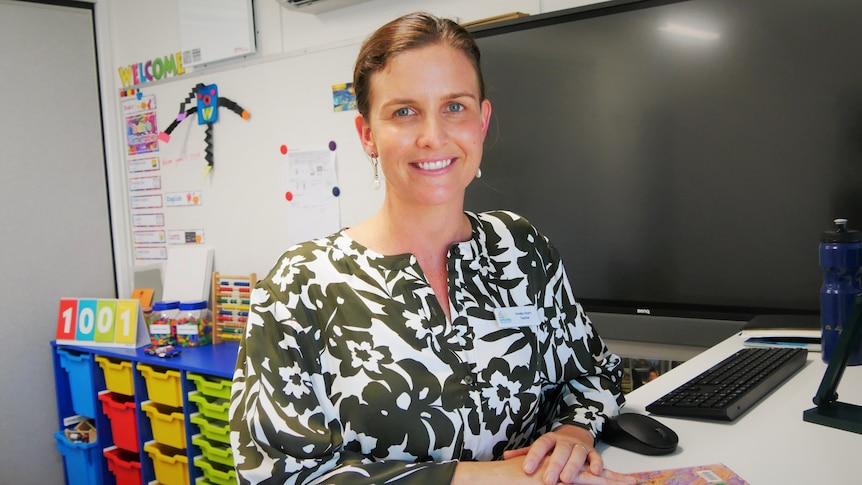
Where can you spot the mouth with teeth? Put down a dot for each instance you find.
(435, 165)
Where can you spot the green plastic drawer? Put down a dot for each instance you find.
(211, 407)
(210, 386)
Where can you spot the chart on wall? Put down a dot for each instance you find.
(247, 160)
(144, 175)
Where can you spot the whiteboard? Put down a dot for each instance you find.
(243, 212)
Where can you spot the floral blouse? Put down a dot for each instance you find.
(349, 371)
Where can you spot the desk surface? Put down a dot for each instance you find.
(769, 444)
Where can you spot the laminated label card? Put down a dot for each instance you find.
(101, 322)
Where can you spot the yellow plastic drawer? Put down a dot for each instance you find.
(163, 386)
(168, 424)
(215, 452)
(214, 387)
(170, 465)
(118, 375)
(212, 429)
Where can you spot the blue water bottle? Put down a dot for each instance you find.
(841, 260)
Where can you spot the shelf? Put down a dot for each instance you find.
(216, 360)
(79, 389)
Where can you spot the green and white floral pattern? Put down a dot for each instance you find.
(350, 373)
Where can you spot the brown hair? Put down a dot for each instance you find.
(405, 33)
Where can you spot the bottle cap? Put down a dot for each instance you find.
(841, 234)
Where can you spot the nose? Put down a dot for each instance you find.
(432, 132)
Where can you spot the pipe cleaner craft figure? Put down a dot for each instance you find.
(208, 103)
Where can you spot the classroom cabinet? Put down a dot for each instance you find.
(156, 420)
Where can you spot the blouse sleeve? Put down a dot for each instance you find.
(284, 429)
(588, 391)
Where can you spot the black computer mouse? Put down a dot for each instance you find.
(639, 433)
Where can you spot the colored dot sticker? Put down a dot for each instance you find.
(284, 149)
(332, 146)
(336, 191)
(139, 95)
(288, 195)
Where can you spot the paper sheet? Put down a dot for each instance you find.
(188, 273)
(313, 185)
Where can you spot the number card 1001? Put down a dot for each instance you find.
(101, 322)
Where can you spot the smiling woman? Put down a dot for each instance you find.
(426, 344)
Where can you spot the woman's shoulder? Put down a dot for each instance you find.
(503, 221)
(308, 253)
(313, 247)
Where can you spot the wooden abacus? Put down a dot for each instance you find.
(230, 297)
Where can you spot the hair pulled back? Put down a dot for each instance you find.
(411, 31)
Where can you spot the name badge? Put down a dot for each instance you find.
(519, 316)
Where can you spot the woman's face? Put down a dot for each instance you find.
(427, 124)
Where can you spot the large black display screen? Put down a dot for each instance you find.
(683, 156)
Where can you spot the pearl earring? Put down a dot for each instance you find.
(479, 173)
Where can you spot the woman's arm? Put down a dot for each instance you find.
(284, 429)
(587, 393)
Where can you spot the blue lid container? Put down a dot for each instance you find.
(193, 305)
(165, 305)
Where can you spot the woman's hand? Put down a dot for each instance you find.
(567, 455)
(511, 472)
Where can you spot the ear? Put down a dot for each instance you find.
(486, 116)
(363, 129)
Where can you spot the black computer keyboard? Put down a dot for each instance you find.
(729, 388)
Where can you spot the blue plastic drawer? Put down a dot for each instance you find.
(83, 460)
(77, 367)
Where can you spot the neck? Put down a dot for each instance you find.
(427, 233)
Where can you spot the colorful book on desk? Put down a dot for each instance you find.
(716, 474)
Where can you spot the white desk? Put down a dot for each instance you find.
(769, 444)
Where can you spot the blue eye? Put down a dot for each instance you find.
(455, 107)
(403, 112)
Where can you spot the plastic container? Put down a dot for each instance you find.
(211, 429)
(120, 410)
(118, 375)
(841, 261)
(162, 323)
(163, 386)
(170, 465)
(210, 407)
(214, 473)
(168, 424)
(214, 451)
(77, 367)
(82, 460)
(210, 386)
(125, 465)
(194, 324)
